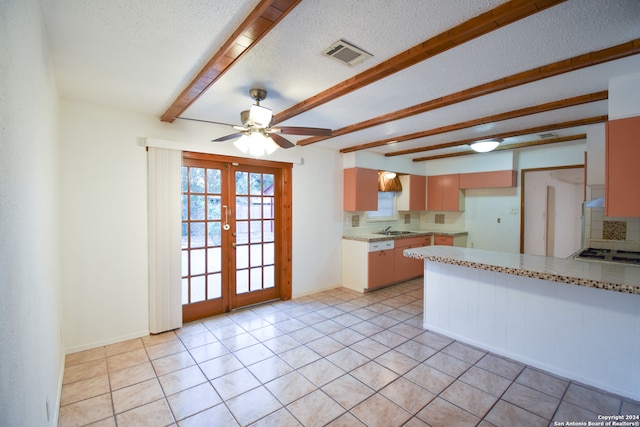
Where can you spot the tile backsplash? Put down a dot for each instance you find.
(606, 232)
(360, 223)
(614, 230)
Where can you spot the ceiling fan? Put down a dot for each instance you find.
(259, 120)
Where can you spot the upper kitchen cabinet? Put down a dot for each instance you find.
(360, 190)
(493, 179)
(413, 196)
(622, 170)
(444, 193)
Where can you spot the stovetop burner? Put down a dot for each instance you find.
(616, 256)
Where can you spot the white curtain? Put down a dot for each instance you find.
(165, 276)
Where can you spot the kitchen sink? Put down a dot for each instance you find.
(395, 233)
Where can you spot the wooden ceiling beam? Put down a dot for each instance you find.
(484, 23)
(507, 147)
(260, 21)
(542, 108)
(519, 132)
(582, 61)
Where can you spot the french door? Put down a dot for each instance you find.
(236, 233)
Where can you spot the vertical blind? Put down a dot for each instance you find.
(165, 298)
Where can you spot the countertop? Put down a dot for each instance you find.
(613, 277)
(374, 237)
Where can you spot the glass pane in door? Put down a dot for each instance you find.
(201, 234)
(254, 231)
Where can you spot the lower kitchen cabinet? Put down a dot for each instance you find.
(450, 240)
(442, 240)
(370, 265)
(407, 268)
(380, 268)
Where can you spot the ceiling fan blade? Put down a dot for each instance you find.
(228, 137)
(295, 130)
(282, 142)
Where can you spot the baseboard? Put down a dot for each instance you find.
(315, 291)
(107, 341)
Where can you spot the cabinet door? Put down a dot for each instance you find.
(434, 193)
(622, 171)
(451, 192)
(413, 196)
(406, 268)
(360, 190)
(444, 193)
(494, 179)
(443, 240)
(381, 264)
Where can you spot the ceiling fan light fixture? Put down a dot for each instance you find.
(485, 145)
(260, 116)
(256, 144)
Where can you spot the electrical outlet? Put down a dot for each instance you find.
(498, 221)
(514, 210)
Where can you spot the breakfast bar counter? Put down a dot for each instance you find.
(577, 319)
(593, 274)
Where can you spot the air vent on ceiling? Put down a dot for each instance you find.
(346, 53)
(548, 135)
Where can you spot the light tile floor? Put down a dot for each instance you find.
(335, 358)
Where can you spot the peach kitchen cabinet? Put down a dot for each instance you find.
(408, 268)
(367, 265)
(380, 268)
(622, 167)
(450, 240)
(414, 193)
(444, 194)
(493, 179)
(360, 190)
(442, 240)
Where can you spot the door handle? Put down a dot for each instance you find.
(226, 225)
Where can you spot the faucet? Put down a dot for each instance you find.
(386, 230)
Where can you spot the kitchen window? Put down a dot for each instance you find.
(386, 206)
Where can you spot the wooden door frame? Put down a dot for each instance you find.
(522, 192)
(283, 258)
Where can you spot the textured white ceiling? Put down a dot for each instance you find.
(140, 55)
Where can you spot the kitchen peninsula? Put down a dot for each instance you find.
(577, 319)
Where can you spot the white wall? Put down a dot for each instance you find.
(567, 214)
(317, 221)
(31, 358)
(104, 225)
(484, 207)
(365, 159)
(624, 92)
(497, 160)
(489, 219)
(561, 154)
(595, 154)
(104, 184)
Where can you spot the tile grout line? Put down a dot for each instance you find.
(331, 301)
